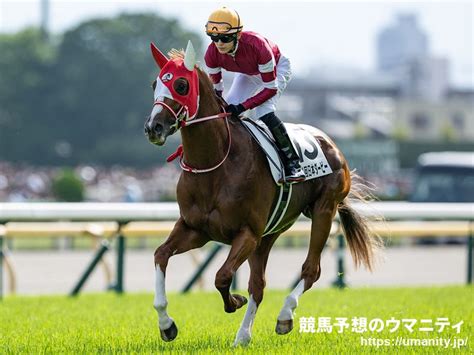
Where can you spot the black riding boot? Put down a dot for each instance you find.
(293, 171)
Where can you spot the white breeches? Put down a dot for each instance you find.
(245, 86)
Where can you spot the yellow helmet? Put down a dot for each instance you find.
(224, 21)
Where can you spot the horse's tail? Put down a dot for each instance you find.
(363, 243)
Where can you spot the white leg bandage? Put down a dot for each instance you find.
(160, 303)
(245, 331)
(291, 302)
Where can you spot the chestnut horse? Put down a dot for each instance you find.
(226, 193)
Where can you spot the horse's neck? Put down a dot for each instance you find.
(205, 144)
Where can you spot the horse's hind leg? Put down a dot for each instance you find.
(323, 214)
(181, 239)
(243, 244)
(257, 262)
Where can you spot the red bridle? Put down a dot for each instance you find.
(180, 121)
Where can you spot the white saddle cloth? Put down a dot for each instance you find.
(312, 159)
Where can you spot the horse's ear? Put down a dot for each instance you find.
(159, 57)
(190, 57)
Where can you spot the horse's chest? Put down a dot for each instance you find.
(212, 221)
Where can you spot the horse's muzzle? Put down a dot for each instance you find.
(155, 134)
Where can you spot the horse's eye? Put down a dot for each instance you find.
(181, 86)
(153, 85)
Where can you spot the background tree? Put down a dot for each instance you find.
(67, 187)
(84, 99)
(25, 63)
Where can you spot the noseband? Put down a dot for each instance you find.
(182, 120)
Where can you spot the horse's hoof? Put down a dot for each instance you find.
(284, 326)
(241, 301)
(169, 334)
(242, 340)
(237, 302)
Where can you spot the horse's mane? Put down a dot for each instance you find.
(176, 53)
(207, 89)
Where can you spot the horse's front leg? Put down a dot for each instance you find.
(323, 214)
(243, 244)
(181, 239)
(257, 262)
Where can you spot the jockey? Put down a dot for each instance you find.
(261, 75)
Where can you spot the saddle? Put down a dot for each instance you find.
(312, 159)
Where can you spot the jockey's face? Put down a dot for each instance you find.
(223, 47)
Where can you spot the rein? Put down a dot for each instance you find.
(181, 121)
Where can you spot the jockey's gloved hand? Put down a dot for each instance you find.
(235, 110)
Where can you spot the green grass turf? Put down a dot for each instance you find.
(93, 323)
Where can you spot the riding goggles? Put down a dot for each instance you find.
(222, 38)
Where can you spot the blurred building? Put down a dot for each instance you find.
(407, 98)
(448, 120)
(400, 43)
(344, 104)
(403, 51)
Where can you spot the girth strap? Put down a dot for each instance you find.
(281, 206)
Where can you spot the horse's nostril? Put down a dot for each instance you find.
(158, 129)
